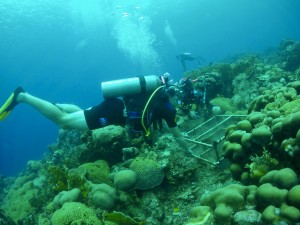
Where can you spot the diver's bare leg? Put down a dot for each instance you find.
(74, 120)
(68, 108)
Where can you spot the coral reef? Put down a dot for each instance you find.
(106, 177)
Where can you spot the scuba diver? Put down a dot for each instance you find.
(68, 116)
(195, 97)
(112, 110)
(186, 56)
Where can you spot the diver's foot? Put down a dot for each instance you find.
(10, 103)
(17, 91)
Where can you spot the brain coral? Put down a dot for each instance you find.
(74, 213)
(149, 173)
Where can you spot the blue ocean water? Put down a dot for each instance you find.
(61, 51)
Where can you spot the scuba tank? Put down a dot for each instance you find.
(130, 86)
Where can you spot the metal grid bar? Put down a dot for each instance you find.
(229, 117)
(214, 145)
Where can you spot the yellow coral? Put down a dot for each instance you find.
(261, 165)
(289, 107)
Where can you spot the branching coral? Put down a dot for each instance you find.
(58, 178)
(61, 180)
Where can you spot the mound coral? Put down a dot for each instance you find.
(96, 172)
(229, 200)
(149, 173)
(268, 194)
(294, 196)
(104, 141)
(261, 135)
(66, 196)
(285, 178)
(125, 180)
(281, 215)
(103, 196)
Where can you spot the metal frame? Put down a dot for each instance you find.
(210, 141)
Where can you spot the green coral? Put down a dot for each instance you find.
(120, 218)
(285, 178)
(283, 215)
(267, 194)
(294, 196)
(22, 202)
(226, 201)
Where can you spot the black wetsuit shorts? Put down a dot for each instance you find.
(108, 112)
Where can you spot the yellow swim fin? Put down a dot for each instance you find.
(10, 103)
